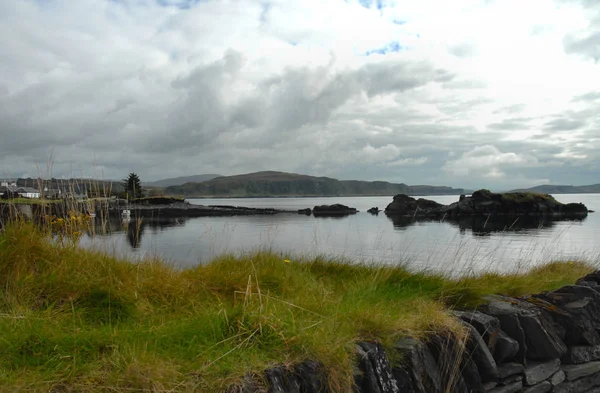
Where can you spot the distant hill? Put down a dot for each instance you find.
(177, 181)
(552, 189)
(270, 183)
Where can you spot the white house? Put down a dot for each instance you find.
(25, 192)
(28, 192)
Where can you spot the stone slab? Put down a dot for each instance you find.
(514, 388)
(508, 369)
(582, 354)
(539, 371)
(541, 387)
(557, 378)
(576, 371)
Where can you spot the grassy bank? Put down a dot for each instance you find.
(29, 201)
(75, 320)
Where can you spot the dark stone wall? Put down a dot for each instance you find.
(549, 342)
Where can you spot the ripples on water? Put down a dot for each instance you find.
(456, 247)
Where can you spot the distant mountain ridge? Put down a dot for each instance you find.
(177, 181)
(559, 189)
(272, 183)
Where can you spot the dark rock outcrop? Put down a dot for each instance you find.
(336, 209)
(373, 210)
(486, 203)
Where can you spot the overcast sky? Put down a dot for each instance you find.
(466, 93)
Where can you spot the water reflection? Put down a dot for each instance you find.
(485, 226)
(133, 227)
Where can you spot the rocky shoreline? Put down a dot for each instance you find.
(484, 203)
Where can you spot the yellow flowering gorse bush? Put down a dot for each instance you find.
(70, 228)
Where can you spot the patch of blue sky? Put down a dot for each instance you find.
(181, 4)
(369, 3)
(392, 47)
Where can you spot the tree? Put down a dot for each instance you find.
(133, 186)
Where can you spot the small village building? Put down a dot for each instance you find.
(10, 189)
(28, 192)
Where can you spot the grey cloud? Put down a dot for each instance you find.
(591, 96)
(465, 84)
(396, 77)
(588, 45)
(511, 124)
(564, 124)
(587, 42)
(512, 109)
(463, 50)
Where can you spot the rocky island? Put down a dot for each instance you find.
(486, 203)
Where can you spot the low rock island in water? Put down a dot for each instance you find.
(482, 203)
(486, 203)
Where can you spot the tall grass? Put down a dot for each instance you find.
(79, 320)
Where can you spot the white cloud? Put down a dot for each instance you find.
(176, 87)
(487, 162)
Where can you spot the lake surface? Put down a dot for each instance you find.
(470, 245)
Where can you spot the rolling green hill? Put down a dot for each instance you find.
(555, 189)
(270, 183)
(177, 181)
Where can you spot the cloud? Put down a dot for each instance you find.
(564, 124)
(487, 162)
(585, 41)
(176, 87)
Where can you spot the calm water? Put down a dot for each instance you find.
(454, 247)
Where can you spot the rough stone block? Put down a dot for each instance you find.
(454, 364)
(506, 347)
(507, 369)
(592, 278)
(510, 380)
(312, 377)
(515, 387)
(542, 340)
(481, 355)
(579, 385)
(536, 372)
(489, 386)
(576, 371)
(574, 314)
(541, 387)
(487, 325)
(581, 354)
(282, 381)
(424, 370)
(403, 376)
(509, 321)
(376, 374)
(533, 329)
(557, 378)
